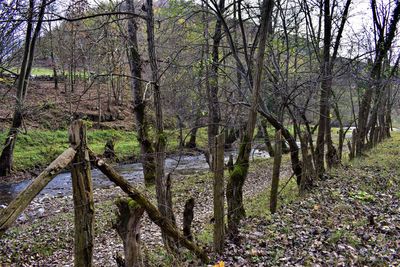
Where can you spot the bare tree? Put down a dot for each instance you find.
(138, 92)
(34, 24)
(384, 40)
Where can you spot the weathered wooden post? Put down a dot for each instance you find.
(275, 172)
(219, 193)
(83, 195)
(128, 228)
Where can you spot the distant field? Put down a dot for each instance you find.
(37, 71)
(42, 71)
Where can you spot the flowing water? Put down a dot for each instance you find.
(61, 185)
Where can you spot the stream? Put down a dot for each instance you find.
(61, 185)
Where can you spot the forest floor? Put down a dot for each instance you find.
(44, 233)
(350, 218)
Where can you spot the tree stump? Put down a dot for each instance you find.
(109, 152)
(154, 214)
(188, 218)
(354, 139)
(127, 226)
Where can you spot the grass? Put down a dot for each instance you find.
(38, 71)
(43, 71)
(37, 148)
(258, 206)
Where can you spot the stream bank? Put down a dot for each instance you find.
(45, 234)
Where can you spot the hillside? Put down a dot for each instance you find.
(50, 108)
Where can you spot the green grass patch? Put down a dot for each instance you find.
(258, 206)
(38, 71)
(42, 71)
(37, 148)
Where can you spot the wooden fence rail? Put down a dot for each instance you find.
(80, 158)
(10, 214)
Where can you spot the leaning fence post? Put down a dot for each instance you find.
(83, 195)
(219, 193)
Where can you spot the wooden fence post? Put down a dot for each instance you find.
(219, 193)
(83, 196)
(275, 172)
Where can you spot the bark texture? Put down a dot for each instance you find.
(163, 185)
(234, 191)
(82, 189)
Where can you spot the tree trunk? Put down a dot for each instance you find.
(326, 85)
(267, 140)
(192, 139)
(234, 190)
(308, 169)
(193, 132)
(139, 103)
(275, 172)
(6, 158)
(214, 115)
(163, 190)
(354, 139)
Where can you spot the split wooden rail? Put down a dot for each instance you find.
(80, 159)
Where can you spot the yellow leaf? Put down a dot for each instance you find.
(220, 264)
